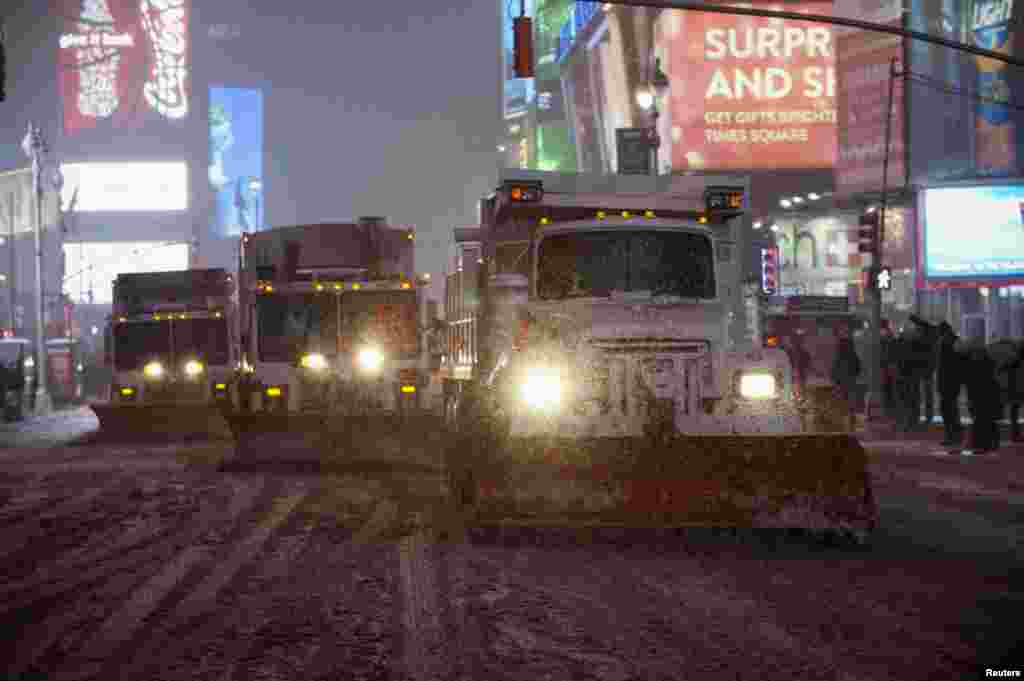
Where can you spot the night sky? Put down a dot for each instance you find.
(379, 108)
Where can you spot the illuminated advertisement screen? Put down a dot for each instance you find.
(122, 62)
(142, 186)
(768, 89)
(92, 266)
(974, 234)
(518, 92)
(236, 159)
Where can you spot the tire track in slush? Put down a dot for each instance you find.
(221, 634)
(18, 540)
(101, 656)
(203, 599)
(142, 600)
(733, 620)
(356, 613)
(424, 652)
(354, 607)
(117, 542)
(66, 584)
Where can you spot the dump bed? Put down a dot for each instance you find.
(136, 293)
(327, 249)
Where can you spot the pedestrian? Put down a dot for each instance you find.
(907, 387)
(924, 344)
(950, 366)
(983, 399)
(846, 368)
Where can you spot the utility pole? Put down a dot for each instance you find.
(35, 147)
(874, 292)
(12, 280)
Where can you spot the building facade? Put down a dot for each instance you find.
(804, 108)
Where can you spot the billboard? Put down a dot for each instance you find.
(863, 66)
(236, 160)
(92, 266)
(122, 62)
(136, 186)
(518, 93)
(751, 92)
(940, 128)
(973, 235)
(995, 132)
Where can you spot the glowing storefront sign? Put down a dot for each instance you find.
(143, 186)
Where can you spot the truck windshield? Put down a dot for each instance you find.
(135, 343)
(205, 338)
(593, 264)
(289, 324)
(387, 318)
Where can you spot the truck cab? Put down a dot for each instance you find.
(612, 312)
(169, 341)
(329, 329)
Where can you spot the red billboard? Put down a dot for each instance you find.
(122, 61)
(863, 66)
(752, 92)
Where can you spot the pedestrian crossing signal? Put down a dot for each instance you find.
(883, 280)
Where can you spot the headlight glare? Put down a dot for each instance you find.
(314, 361)
(757, 386)
(370, 359)
(153, 370)
(541, 388)
(193, 368)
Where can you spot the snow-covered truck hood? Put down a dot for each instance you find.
(637, 320)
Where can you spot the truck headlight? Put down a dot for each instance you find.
(153, 370)
(757, 385)
(193, 368)
(370, 359)
(541, 388)
(314, 361)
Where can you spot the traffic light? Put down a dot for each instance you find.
(769, 270)
(522, 47)
(867, 232)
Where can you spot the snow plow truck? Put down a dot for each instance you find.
(331, 322)
(168, 342)
(598, 373)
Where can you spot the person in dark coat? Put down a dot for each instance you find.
(925, 340)
(983, 399)
(846, 368)
(907, 387)
(950, 366)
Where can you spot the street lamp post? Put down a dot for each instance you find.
(35, 147)
(647, 99)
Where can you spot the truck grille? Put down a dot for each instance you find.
(175, 391)
(646, 346)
